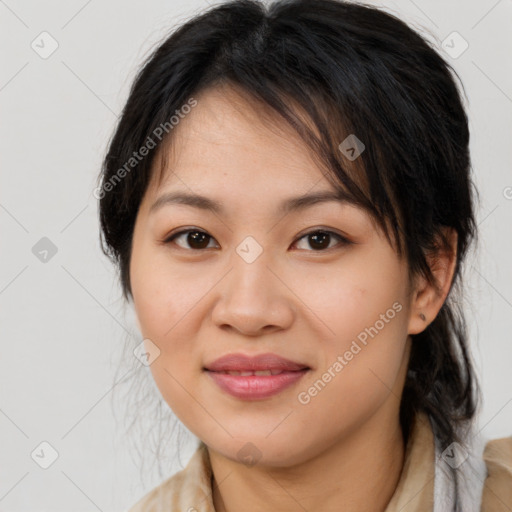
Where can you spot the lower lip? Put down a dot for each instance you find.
(254, 387)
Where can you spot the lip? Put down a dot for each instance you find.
(242, 362)
(255, 387)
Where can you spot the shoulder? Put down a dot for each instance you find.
(497, 491)
(189, 490)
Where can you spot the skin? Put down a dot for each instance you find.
(345, 445)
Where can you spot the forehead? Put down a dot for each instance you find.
(228, 138)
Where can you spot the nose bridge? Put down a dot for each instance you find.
(250, 275)
(250, 272)
(252, 298)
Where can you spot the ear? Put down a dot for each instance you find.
(426, 298)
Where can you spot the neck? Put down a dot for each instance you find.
(360, 471)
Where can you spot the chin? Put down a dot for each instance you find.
(258, 449)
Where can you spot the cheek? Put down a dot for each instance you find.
(171, 307)
(167, 302)
(355, 295)
(363, 309)
(164, 294)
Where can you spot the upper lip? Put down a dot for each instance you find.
(241, 362)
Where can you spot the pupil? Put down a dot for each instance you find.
(196, 237)
(319, 239)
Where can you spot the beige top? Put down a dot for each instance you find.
(190, 490)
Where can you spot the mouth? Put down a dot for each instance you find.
(255, 378)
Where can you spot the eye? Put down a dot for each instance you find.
(196, 239)
(321, 239)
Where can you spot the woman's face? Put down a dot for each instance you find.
(249, 280)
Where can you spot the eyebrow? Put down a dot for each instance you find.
(286, 206)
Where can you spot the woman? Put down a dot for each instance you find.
(288, 197)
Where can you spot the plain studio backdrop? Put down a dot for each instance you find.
(65, 75)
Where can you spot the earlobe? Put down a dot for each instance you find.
(428, 298)
(420, 306)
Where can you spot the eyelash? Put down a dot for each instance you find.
(343, 241)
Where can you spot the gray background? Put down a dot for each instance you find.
(64, 325)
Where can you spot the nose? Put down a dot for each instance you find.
(253, 299)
